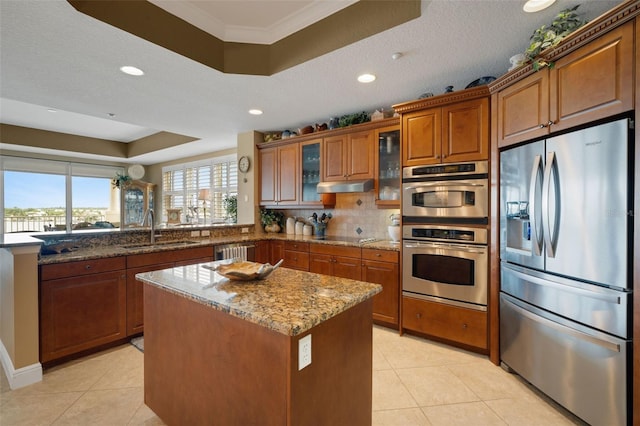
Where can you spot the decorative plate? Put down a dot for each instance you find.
(480, 82)
(246, 271)
(136, 171)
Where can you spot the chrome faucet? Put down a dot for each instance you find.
(150, 215)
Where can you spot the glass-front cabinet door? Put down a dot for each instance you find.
(388, 166)
(310, 171)
(137, 198)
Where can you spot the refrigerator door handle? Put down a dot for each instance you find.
(614, 347)
(535, 171)
(547, 282)
(549, 237)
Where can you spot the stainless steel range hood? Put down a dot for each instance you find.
(363, 185)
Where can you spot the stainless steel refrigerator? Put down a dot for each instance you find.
(566, 235)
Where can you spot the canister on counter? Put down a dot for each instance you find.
(299, 227)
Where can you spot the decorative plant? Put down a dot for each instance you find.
(230, 203)
(270, 217)
(545, 37)
(120, 181)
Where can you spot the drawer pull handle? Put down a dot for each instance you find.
(87, 267)
(418, 316)
(464, 325)
(378, 255)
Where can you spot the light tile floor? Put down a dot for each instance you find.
(415, 382)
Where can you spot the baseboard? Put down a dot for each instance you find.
(21, 377)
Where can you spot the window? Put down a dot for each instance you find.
(44, 195)
(199, 188)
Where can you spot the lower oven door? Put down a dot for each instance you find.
(450, 272)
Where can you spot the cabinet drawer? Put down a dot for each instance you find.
(466, 326)
(83, 267)
(380, 255)
(329, 249)
(296, 246)
(138, 260)
(296, 260)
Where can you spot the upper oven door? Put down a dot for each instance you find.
(446, 199)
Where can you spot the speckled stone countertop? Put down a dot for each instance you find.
(287, 301)
(113, 250)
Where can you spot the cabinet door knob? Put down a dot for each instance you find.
(418, 316)
(550, 123)
(464, 325)
(87, 267)
(378, 254)
(542, 126)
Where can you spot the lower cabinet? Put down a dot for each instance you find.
(140, 263)
(381, 267)
(337, 261)
(263, 252)
(451, 323)
(83, 305)
(296, 255)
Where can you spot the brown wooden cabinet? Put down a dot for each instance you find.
(337, 261)
(451, 133)
(388, 166)
(590, 83)
(381, 267)
(348, 156)
(82, 306)
(139, 263)
(279, 175)
(296, 255)
(263, 252)
(451, 323)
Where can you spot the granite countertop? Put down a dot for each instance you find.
(287, 301)
(103, 251)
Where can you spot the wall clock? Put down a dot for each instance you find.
(243, 166)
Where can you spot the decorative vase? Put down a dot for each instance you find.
(274, 228)
(394, 233)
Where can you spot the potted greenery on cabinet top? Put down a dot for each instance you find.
(545, 37)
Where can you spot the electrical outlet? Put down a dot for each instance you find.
(304, 352)
(195, 233)
(204, 232)
(245, 230)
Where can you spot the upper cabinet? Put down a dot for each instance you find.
(279, 174)
(387, 164)
(348, 156)
(447, 128)
(592, 82)
(290, 170)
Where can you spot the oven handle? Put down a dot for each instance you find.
(456, 247)
(440, 184)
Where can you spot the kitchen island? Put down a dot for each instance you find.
(227, 352)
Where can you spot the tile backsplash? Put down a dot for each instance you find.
(352, 212)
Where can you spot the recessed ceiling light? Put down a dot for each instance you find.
(128, 69)
(396, 55)
(366, 78)
(255, 111)
(537, 5)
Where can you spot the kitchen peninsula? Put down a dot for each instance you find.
(227, 352)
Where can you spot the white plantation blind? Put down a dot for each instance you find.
(183, 185)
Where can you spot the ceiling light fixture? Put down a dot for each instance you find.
(255, 111)
(52, 110)
(396, 55)
(537, 5)
(366, 78)
(128, 69)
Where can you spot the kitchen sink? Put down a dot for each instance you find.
(175, 243)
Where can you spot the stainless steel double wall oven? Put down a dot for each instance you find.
(445, 213)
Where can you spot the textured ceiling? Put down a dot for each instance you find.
(55, 57)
